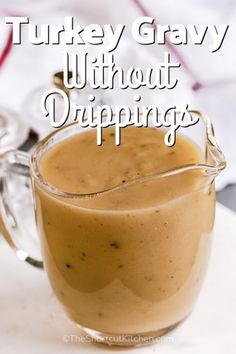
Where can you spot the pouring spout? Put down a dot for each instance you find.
(215, 158)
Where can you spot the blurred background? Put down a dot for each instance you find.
(27, 70)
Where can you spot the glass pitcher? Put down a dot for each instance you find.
(126, 272)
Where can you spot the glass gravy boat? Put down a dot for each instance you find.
(126, 272)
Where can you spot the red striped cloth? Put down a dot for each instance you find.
(5, 41)
(196, 85)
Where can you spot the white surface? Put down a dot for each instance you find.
(31, 321)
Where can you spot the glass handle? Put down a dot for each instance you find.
(17, 222)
